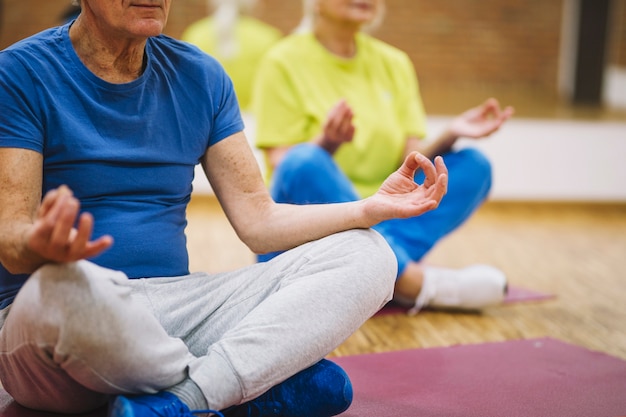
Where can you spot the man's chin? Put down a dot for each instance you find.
(148, 27)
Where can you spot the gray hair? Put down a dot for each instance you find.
(309, 12)
(244, 6)
(226, 14)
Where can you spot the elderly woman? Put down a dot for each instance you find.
(338, 110)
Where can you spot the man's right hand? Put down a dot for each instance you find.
(60, 233)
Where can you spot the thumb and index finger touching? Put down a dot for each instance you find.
(434, 172)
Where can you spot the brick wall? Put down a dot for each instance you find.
(458, 43)
(617, 34)
(452, 41)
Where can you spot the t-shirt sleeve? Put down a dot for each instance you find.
(21, 126)
(227, 118)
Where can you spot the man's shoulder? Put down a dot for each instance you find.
(33, 55)
(182, 56)
(35, 45)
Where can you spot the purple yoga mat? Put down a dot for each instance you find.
(518, 294)
(527, 378)
(514, 295)
(538, 378)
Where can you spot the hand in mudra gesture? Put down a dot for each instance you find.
(481, 121)
(401, 197)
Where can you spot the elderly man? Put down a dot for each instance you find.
(103, 122)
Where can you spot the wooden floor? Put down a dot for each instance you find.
(575, 251)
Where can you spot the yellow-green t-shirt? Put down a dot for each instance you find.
(253, 39)
(299, 82)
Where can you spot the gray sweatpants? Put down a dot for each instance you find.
(78, 332)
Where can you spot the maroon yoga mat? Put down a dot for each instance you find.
(526, 378)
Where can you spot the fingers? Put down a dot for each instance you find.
(76, 246)
(442, 171)
(441, 186)
(435, 174)
(416, 160)
(339, 127)
(508, 112)
(64, 215)
(61, 233)
(51, 197)
(430, 173)
(81, 246)
(492, 107)
(51, 209)
(344, 126)
(436, 180)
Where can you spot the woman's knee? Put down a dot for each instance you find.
(475, 163)
(304, 159)
(470, 173)
(309, 175)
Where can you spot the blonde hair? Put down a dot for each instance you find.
(309, 10)
(225, 15)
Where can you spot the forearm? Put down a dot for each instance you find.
(273, 227)
(431, 148)
(20, 197)
(442, 144)
(285, 226)
(15, 255)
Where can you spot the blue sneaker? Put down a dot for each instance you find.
(323, 390)
(163, 404)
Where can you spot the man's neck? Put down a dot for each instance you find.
(116, 61)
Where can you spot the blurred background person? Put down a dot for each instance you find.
(236, 39)
(337, 110)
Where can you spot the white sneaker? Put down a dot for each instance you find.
(469, 288)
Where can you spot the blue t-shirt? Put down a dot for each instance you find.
(128, 151)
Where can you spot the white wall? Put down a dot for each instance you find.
(614, 92)
(542, 160)
(555, 160)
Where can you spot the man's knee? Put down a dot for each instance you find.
(66, 296)
(67, 283)
(375, 260)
